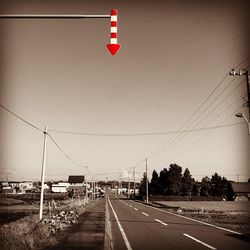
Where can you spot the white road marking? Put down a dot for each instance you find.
(135, 208)
(145, 214)
(201, 222)
(124, 236)
(163, 223)
(201, 242)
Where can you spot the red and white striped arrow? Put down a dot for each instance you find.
(113, 47)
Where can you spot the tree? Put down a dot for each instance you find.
(163, 181)
(174, 179)
(205, 186)
(196, 188)
(187, 183)
(142, 187)
(218, 185)
(154, 185)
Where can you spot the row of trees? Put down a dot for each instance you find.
(172, 182)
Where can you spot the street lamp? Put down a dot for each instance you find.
(240, 115)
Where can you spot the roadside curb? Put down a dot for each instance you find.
(108, 244)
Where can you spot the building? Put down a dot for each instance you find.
(61, 187)
(77, 185)
(76, 180)
(240, 190)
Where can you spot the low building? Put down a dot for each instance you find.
(241, 190)
(77, 185)
(76, 180)
(61, 187)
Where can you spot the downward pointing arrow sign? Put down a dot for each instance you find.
(113, 48)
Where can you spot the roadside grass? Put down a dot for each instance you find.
(232, 215)
(28, 232)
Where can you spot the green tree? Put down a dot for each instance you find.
(187, 183)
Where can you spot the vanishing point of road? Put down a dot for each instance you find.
(135, 225)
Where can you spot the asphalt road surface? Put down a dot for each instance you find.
(138, 226)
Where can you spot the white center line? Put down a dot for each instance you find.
(163, 223)
(121, 228)
(144, 213)
(135, 208)
(187, 218)
(201, 242)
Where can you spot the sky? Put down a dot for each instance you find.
(170, 75)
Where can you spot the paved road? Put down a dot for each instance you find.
(138, 226)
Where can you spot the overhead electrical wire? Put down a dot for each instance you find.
(190, 118)
(204, 136)
(20, 118)
(222, 112)
(66, 155)
(211, 111)
(151, 134)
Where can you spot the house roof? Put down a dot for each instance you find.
(241, 187)
(76, 179)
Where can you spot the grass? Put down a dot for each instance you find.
(28, 232)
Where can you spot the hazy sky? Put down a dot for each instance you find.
(173, 55)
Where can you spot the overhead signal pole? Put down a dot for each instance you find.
(113, 47)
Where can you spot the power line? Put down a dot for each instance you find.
(222, 112)
(155, 133)
(204, 136)
(20, 118)
(66, 155)
(190, 118)
(185, 135)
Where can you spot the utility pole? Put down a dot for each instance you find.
(146, 180)
(134, 180)
(43, 173)
(242, 72)
(128, 185)
(86, 182)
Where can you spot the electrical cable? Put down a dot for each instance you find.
(185, 135)
(204, 136)
(20, 118)
(66, 155)
(197, 110)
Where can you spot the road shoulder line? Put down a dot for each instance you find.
(124, 236)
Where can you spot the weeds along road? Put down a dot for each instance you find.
(138, 226)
